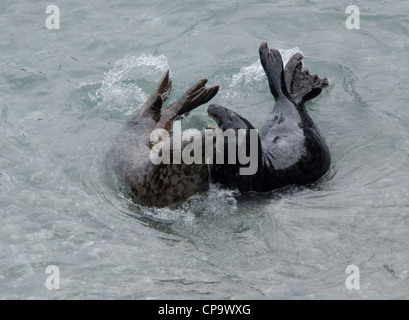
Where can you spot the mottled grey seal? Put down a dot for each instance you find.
(291, 150)
(128, 159)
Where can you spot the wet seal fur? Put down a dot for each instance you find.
(291, 150)
(128, 159)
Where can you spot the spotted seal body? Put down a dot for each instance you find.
(128, 159)
(291, 151)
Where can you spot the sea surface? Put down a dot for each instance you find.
(65, 93)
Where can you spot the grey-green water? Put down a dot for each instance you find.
(64, 95)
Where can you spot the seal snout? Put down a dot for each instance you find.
(227, 119)
(217, 113)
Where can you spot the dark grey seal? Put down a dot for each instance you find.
(291, 150)
(128, 160)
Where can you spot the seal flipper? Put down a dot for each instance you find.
(306, 95)
(152, 106)
(195, 96)
(273, 67)
(293, 65)
(301, 85)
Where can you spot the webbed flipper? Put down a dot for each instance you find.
(301, 85)
(153, 105)
(195, 96)
(273, 67)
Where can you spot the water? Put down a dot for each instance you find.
(65, 94)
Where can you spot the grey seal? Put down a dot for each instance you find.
(128, 160)
(291, 150)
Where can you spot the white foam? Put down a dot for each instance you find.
(287, 53)
(255, 73)
(118, 90)
(216, 201)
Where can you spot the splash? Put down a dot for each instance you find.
(287, 53)
(249, 76)
(120, 88)
(215, 202)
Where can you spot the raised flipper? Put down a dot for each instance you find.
(195, 96)
(273, 67)
(301, 85)
(153, 105)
